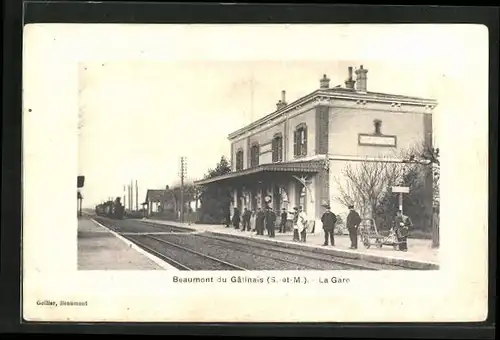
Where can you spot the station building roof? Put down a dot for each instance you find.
(311, 166)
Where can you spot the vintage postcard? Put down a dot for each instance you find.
(255, 173)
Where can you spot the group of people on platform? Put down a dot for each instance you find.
(265, 219)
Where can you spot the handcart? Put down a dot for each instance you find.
(370, 235)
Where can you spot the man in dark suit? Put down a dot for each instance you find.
(270, 221)
(403, 223)
(246, 220)
(284, 215)
(236, 218)
(296, 236)
(329, 219)
(228, 216)
(259, 221)
(352, 223)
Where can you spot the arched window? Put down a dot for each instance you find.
(239, 160)
(277, 148)
(254, 155)
(300, 141)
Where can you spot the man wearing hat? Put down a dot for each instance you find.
(329, 219)
(270, 221)
(295, 225)
(352, 223)
(260, 218)
(284, 215)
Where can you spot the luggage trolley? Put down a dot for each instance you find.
(370, 235)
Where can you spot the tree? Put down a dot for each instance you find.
(222, 168)
(365, 183)
(214, 197)
(172, 199)
(429, 156)
(416, 204)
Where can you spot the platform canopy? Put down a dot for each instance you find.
(271, 168)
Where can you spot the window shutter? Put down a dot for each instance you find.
(280, 149)
(304, 146)
(239, 160)
(254, 155)
(273, 146)
(295, 142)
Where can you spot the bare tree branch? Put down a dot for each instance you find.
(366, 182)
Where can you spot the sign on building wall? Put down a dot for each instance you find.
(372, 140)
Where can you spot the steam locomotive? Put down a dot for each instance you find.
(112, 209)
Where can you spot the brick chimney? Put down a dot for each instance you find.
(361, 79)
(282, 103)
(349, 83)
(324, 83)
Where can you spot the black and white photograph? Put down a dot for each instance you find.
(279, 160)
(327, 165)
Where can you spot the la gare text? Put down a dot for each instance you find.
(261, 280)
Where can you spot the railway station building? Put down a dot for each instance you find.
(294, 154)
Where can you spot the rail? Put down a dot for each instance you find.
(159, 255)
(196, 253)
(290, 252)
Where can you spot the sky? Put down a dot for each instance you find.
(141, 116)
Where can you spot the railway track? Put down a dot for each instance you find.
(179, 247)
(261, 252)
(163, 257)
(223, 263)
(249, 245)
(178, 256)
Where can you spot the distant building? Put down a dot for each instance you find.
(168, 200)
(293, 154)
(155, 200)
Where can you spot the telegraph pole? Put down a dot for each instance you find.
(136, 196)
(128, 194)
(131, 195)
(182, 174)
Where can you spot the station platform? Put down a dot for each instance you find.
(101, 249)
(420, 254)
